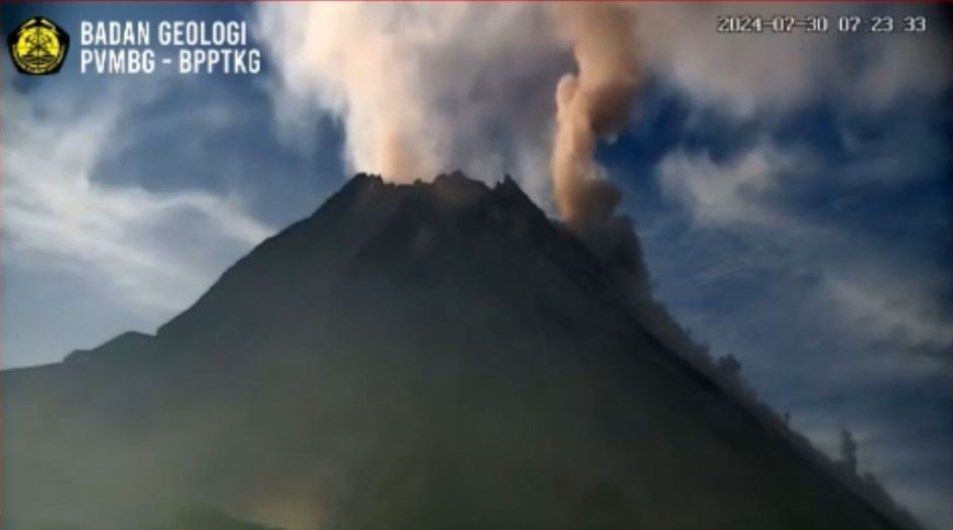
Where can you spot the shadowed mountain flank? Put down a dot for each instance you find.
(436, 355)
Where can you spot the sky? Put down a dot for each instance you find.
(792, 192)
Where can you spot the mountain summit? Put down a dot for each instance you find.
(435, 355)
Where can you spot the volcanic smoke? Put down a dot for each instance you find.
(592, 104)
(462, 86)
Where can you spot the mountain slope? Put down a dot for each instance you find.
(426, 356)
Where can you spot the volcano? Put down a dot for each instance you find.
(436, 355)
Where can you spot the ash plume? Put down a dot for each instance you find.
(345, 58)
(423, 90)
(592, 104)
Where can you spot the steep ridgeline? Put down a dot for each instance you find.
(427, 356)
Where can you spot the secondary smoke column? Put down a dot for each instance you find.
(592, 104)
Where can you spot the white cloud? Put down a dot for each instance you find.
(57, 214)
(901, 309)
(769, 73)
(739, 73)
(729, 192)
(879, 301)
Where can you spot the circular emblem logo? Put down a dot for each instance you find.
(38, 46)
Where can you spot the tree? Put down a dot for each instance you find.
(730, 366)
(848, 449)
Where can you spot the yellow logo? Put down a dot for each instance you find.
(38, 46)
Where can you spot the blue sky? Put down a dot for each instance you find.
(792, 193)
